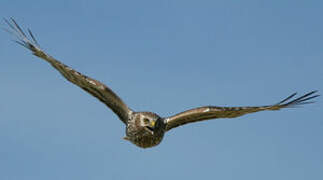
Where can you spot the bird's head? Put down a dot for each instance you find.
(151, 122)
(145, 129)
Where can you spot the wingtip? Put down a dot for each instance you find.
(300, 100)
(22, 39)
(286, 99)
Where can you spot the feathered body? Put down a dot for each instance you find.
(145, 129)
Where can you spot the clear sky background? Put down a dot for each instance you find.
(163, 56)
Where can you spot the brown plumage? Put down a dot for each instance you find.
(144, 129)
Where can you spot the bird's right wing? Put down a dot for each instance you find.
(212, 112)
(92, 86)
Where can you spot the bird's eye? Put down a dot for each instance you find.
(146, 121)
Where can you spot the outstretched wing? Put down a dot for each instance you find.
(92, 86)
(212, 112)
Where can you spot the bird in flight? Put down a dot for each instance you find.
(144, 129)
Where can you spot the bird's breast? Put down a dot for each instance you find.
(142, 138)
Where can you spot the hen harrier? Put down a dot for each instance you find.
(145, 129)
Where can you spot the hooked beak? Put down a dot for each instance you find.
(152, 124)
(151, 127)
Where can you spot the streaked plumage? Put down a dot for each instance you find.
(144, 129)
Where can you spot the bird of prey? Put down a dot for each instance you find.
(145, 129)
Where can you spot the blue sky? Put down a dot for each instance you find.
(165, 57)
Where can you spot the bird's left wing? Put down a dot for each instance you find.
(212, 112)
(92, 86)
